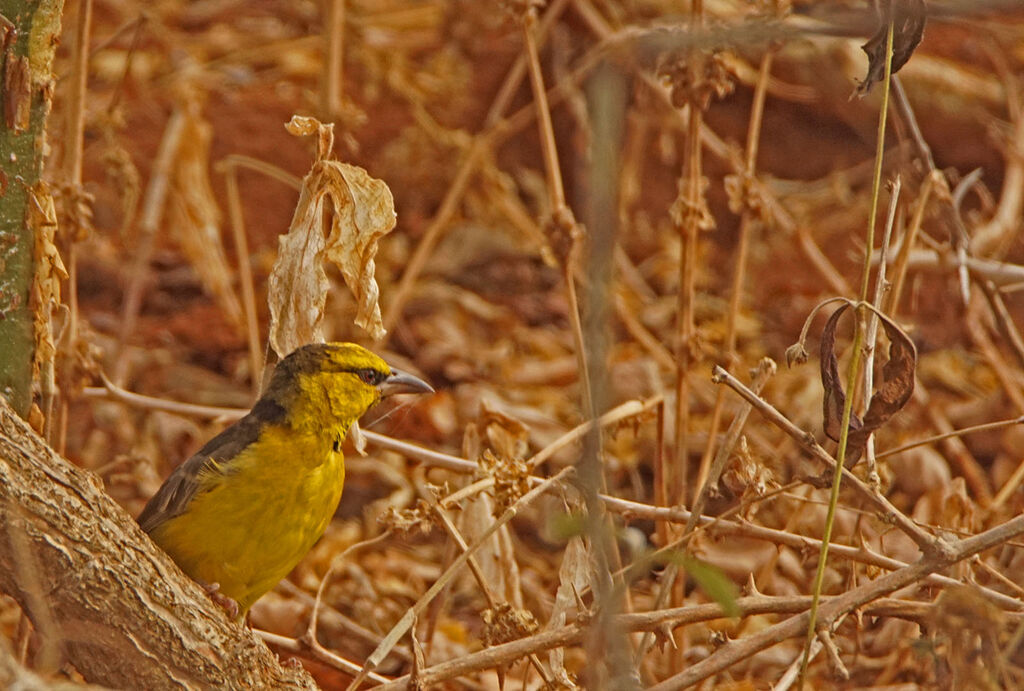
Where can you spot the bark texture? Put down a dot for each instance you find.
(98, 590)
(29, 35)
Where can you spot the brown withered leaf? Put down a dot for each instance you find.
(747, 475)
(908, 17)
(896, 389)
(511, 478)
(417, 519)
(897, 385)
(504, 622)
(508, 437)
(341, 214)
(496, 557)
(835, 398)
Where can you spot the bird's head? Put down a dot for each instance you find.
(339, 380)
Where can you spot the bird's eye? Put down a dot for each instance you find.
(369, 376)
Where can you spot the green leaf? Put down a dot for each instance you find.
(567, 525)
(711, 580)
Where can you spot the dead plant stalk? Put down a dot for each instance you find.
(562, 221)
(406, 622)
(747, 225)
(473, 156)
(831, 609)
(856, 363)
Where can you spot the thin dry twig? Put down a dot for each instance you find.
(406, 622)
(871, 338)
(921, 538)
(747, 225)
(471, 158)
(832, 609)
(252, 327)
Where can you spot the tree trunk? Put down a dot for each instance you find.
(29, 34)
(100, 593)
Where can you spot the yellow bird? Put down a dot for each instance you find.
(240, 514)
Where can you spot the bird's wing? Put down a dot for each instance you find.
(174, 496)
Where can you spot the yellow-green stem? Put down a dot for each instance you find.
(855, 364)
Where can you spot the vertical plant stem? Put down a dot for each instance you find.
(687, 267)
(740, 270)
(686, 335)
(334, 57)
(252, 327)
(872, 328)
(670, 587)
(685, 324)
(149, 224)
(606, 95)
(660, 495)
(562, 219)
(552, 169)
(609, 113)
(74, 137)
(472, 158)
(892, 301)
(855, 364)
(575, 320)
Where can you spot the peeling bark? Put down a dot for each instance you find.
(29, 34)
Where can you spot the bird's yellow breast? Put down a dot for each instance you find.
(251, 522)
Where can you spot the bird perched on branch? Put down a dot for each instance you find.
(240, 514)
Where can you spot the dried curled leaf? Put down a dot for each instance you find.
(74, 209)
(686, 213)
(508, 437)
(504, 623)
(120, 170)
(696, 77)
(341, 215)
(511, 479)
(796, 354)
(419, 519)
(747, 194)
(747, 475)
(908, 18)
(897, 385)
(835, 398)
(896, 389)
(355, 435)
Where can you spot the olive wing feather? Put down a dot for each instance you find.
(178, 490)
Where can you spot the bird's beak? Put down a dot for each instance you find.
(403, 382)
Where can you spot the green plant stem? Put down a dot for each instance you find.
(855, 364)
